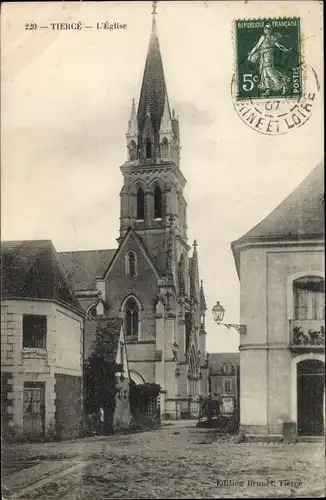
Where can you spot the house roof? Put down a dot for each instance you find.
(32, 269)
(299, 217)
(218, 359)
(82, 267)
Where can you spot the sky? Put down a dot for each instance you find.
(66, 100)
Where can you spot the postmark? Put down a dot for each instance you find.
(268, 53)
(274, 90)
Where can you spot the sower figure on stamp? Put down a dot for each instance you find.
(263, 54)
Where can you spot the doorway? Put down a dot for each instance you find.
(34, 409)
(310, 394)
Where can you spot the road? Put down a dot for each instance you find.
(177, 461)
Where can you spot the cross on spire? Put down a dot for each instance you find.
(153, 17)
(154, 8)
(195, 244)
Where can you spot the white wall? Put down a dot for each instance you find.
(68, 338)
(265, 357)
(63, 353)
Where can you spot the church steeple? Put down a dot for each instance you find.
(156, 131)
(153, 91)
(153, 182)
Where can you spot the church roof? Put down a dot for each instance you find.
(32, 269)
(218, 359)
(153, 90)
(300, 216)
(82, 267)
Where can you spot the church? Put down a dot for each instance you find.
(151, 280)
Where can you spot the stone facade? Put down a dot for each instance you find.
(37, 369)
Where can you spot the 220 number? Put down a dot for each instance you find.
(249, 82)
(30, 26)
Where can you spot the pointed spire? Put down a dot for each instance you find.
(194, 279)
(202, 299)
(132, 124)
(166, 124)
(153, 90)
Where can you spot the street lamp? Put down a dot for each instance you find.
(218, 315)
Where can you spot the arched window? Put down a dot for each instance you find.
(157, 203)
(92, 312)
(148, 148)
(131, 318)
(132, 151)
(131, 264)
(165, 148)
(309, 298)
(140, 204)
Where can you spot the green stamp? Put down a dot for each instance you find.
(269, 63)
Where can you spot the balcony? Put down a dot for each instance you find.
(307, 335)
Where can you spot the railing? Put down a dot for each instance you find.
(306, 334)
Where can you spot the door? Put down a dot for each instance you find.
(34, 409)
(310, 393)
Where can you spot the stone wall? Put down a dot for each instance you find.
(68, 406)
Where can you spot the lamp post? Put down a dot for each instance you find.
(218, 315)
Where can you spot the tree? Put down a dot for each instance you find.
(100, 378)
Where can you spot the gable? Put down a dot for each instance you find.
(117, 267)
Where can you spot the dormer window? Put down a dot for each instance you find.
(140, 204)
(158, 203)
(148, 148)
(131, 264)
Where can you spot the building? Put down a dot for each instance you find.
(280, 263)
(224, 379)
(41, 343)
(151, 281)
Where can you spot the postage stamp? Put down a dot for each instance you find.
(268, 53)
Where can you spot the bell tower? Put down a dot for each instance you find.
(153, 182)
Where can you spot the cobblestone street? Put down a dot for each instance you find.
(177, 461)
